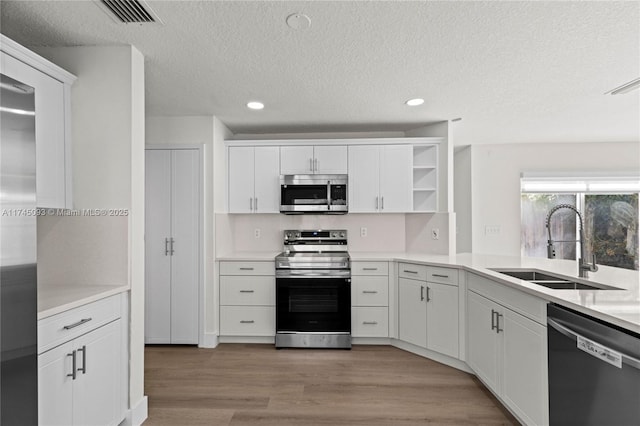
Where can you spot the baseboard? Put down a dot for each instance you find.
(138, 414)
(209, 340)
(248, 339)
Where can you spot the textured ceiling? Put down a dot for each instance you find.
(514, 71)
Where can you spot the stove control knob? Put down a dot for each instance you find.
(334, 235)
(342, 235)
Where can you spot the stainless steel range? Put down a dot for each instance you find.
(313, 290)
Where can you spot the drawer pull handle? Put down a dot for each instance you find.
(369, 269)
(73, 365)
(410, 272)
(247, 321)
(369, 291)
(440, 276)
(84, 359)
(370, 322)
(246, 291)
(74, 325)
(246, 269)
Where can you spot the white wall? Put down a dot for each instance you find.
(462, 195)
(108, 163)
(495, 181)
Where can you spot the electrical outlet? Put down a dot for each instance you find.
(435, 233)
(492, 230)
(256, 233)
(363, 232)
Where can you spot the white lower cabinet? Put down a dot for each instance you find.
(370, 299)
(428, 310)
(508, 352)
(247, 299)
(81, 382)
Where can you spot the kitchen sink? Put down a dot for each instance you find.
(552, 281)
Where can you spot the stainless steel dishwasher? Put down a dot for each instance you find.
(594, 371)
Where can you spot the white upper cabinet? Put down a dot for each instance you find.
(53, 108)
(308, 159)
(380, 178)
(254, 179)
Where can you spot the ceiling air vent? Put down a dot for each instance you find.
(129, 11)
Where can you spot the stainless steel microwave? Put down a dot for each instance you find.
(301, 194)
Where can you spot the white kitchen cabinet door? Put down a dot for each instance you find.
(157, 246)
(185, 259)
(524, 367)
(330, 159)
(296, 160)
(396, 178)
(364, 178)
(483, 353)
(267, 179)
(412, 315)
(442, 318)
(51, 170)
(172, 246)
(55, 387)
(96, 392)
(241, 179)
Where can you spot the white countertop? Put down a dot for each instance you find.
(620, 307)
(53, 299)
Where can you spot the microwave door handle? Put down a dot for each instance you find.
(328, 195)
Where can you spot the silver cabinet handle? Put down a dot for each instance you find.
(166, 246)
(440, 276)
(315, 165)
(250, 204)
(369, 291)
(247, 321)
(370, 322)
(493, 319)
(246, 269)
(410, 272)
(421, 293)
(369, 269)
(381, 203)
(246, 291)
(172, 242)
(76, 324)
(377, 203)
(84, 359)
(256, 203)
(73, 365)
(428, 297)
(311, 164)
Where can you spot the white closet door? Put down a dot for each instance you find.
(185, 257)
(157, 257)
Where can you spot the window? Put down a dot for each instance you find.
(609, 210)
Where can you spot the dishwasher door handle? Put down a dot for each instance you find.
(626, 359)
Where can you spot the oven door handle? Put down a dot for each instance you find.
(567, 332)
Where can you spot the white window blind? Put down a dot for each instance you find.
(532, 183)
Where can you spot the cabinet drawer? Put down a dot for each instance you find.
(66, 326)
(370, 322)
(369, 268)
(247, 321)
(516, 300)
(370, 291)
(442, 275)
(415, 272)
(247, 290)
(247, 268)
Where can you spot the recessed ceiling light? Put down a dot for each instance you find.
(415, 102)
(255, 105)
(625, 88)
(298, 21)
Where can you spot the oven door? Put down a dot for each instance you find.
(313, 304)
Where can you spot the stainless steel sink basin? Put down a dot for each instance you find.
(550, 280)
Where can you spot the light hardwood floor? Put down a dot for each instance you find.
(237, 384)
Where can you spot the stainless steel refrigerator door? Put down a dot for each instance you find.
(18, 244)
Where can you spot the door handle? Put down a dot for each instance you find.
(76, 324)
(246, 291)
(370, 322)
(166, 246)
(315, 165)
(428, 298)
(250, 204)
(84, 359)
(311, 164)
(377, 203)
(247, 321)
(256, 203)
(369, 292)
(172, 250)
(73, 365)
(369, 269)
(498, 329)
(493, 319)
(440, 276)
(381, 203)
(421, 293)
